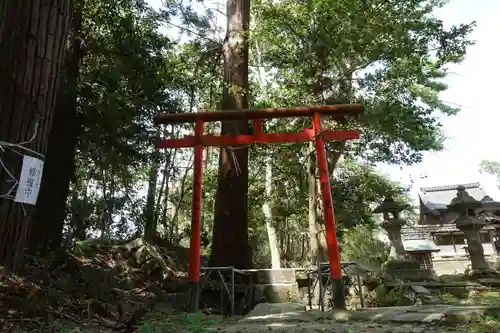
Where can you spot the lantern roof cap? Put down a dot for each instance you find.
(463, 200)
(389, 205)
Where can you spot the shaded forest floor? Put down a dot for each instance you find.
(111, 286)
(118, 287)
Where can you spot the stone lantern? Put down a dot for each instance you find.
(399, 265)
(392, 224)
(467, 222)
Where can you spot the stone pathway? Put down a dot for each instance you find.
(335, 327)
(288, 317)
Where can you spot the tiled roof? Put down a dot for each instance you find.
(424, 231)
(420, 245)
(449, 187)
(437, 198)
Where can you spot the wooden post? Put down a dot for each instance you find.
(194, 246)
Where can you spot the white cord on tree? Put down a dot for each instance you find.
(11, 146)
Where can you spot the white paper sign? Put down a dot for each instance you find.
(29, 182)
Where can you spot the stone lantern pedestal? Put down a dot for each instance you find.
(470, 227)
(399, 265)
(393, 229)
(467, 222)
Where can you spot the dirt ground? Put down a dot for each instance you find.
(131, 286)
(105, 285)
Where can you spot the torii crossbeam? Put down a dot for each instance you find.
(199, 140)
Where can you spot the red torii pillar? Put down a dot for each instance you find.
(199, 140)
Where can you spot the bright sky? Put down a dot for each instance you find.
(473, 133)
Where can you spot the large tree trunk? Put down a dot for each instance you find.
(317, 234)
(50, 211)
(317, 240)
(32, 43)
(230, 233)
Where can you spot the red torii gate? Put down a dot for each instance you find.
(199, 140)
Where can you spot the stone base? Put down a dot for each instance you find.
(277, 293)
(482, 273)
(400, 263)
(406, 270)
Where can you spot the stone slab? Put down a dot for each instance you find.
(327, 327)
(421, 290)
(427, 314)
(494, 282)
(430, 284)
(418, 317)
(276, 311)
(468, 314)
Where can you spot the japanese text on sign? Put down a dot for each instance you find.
(29, 182)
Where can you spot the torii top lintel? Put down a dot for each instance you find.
(258, 136)
(334, 111)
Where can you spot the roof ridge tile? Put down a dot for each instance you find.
(449, 187)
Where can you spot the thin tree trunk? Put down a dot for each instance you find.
(268, 213)
(169, 165)
(311, 185)
(80, 213)
(181, 198)
(230, 245)
(161, 192)
(32, 43)
(164, 188)
(303, 247)
(106, 217)
(168, 174)
(149, 214)
(267, 207)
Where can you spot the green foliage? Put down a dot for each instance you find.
(390, 55)
(359, 243)
(358, 189)
(492, 168)
(487, 324)
(197, 324)
(128, 72)
(191, 324)
(74, 330)
(83, 247)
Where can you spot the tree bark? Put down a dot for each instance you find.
(80, 212)
(149, 212)
(32, 39)
(230, 245)
(50, 212)
(317, 241)
(173, 227)
(268, 213)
